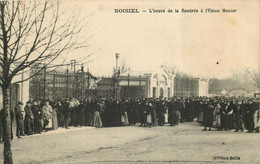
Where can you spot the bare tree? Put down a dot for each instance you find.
(256, 79)
(31, 33)
(123, 66)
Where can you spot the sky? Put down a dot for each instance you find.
(191, 42)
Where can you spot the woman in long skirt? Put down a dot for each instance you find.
(47, 115)
(126, 118)
(155, 121)
(208, 117)
(54, 118)
(256, 118)
(97, 119)
(149, 115)
(28, 120)
(217, 118)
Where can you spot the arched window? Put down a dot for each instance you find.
(161, 92)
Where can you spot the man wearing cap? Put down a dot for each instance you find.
(19, 119)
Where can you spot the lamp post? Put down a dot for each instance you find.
(53, 86)
(73, 66)
(67, 82)
(140, 86)
(117, 57)
(116, 75)
(44, 83)
(128, 83)
(82, 82)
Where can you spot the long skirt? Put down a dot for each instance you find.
(89, 118)
(97, 119)
(173, 118)
(61, 120)
(54, 121)
(165, 118)
(149, 119)
(126, 118)
(123, 119)
(179, 115)
(155, 121)
(208, 120)
(28, 125)
(37, 125)
(200, 120)
(217, 121)
(256, 119)
(239, 125)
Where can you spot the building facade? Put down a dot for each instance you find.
(19, 90)
(105, 87)
(160, 84)
(188, 87)
(61, 84)
(147, 84)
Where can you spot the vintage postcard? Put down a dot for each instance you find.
(130, 81)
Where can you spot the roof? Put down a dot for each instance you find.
(105, 81)
(90, 75)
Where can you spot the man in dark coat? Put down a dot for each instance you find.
(229, 115)
(187, 111)
(250, 117)
(223, 106)
(172, 119)
(142, 111)
(60, 114)
(66, 113)
(239, 125)
(19, 119)
(80, 110)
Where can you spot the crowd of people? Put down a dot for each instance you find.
(222, 113)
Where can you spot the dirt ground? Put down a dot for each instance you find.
(185, 143)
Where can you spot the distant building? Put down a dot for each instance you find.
(146, 84)
(230, 87)
(239, 92)
(160, 84)
(187, 87)
(105, 87)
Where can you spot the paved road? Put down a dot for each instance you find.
(185, 143)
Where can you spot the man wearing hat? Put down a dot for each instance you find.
(19, 119)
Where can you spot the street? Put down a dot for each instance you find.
(185, 143)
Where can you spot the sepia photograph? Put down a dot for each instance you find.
(130, 81)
